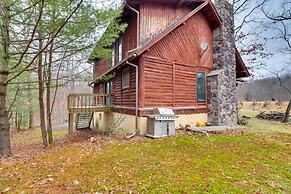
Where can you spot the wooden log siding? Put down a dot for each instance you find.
(99, 88)
(171, 65)
(129, 37)
(124, 97)
(156, 16)
(185, 85)
(100, 67)
(183, 44)
(169, 84)
(158, 82)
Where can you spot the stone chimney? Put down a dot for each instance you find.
(222, 81)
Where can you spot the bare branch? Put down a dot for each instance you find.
(31, 37)
(48, 43)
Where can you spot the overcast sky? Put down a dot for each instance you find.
(277, 60)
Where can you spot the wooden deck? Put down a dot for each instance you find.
(86, 103)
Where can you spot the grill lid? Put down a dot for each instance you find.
(166, 112)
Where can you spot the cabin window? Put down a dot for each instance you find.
(125, 78)
(113, 57)
(117, 52)
(108, 90)
(201, 87)
(120, 49)
(108, 87)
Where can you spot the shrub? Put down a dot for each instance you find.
(242, 121)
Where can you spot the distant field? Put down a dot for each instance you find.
(264, 106)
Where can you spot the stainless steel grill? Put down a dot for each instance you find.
(162, 124)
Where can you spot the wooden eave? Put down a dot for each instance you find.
(212, 15)
(241, 69)
(177, 2)
(189, 2)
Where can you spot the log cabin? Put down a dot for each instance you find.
(177, 54)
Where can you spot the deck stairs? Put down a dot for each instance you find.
(83, 120)
(81, 108)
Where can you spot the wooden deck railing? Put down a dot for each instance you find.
(78, 103)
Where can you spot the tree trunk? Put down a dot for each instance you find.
(30, 110)
(18, 121)
(5, 147)
(286, 118)
(41, 103)
(48, 96)
(41, 90)
(30, 104)
(17, 127)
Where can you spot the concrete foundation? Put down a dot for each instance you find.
(125, 124)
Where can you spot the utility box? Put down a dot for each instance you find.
(162, 124)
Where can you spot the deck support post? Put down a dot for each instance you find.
(70, 128)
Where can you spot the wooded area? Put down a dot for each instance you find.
(44, 46)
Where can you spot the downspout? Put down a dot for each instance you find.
(136, 70)
(136, 98)
(138, 24)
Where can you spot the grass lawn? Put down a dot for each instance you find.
(256, 162)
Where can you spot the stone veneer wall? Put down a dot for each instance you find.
(222, 84)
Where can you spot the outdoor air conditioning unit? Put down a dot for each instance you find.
(161, 124)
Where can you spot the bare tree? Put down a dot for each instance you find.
(249, 41)
(34, 42)
(12, 65)
(280, 21)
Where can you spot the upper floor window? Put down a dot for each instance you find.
(120, 49)
(117, 52)
(201, 86)
(113, 57)
(125, 78)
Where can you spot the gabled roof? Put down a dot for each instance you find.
(208, 9)
(177, 2)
